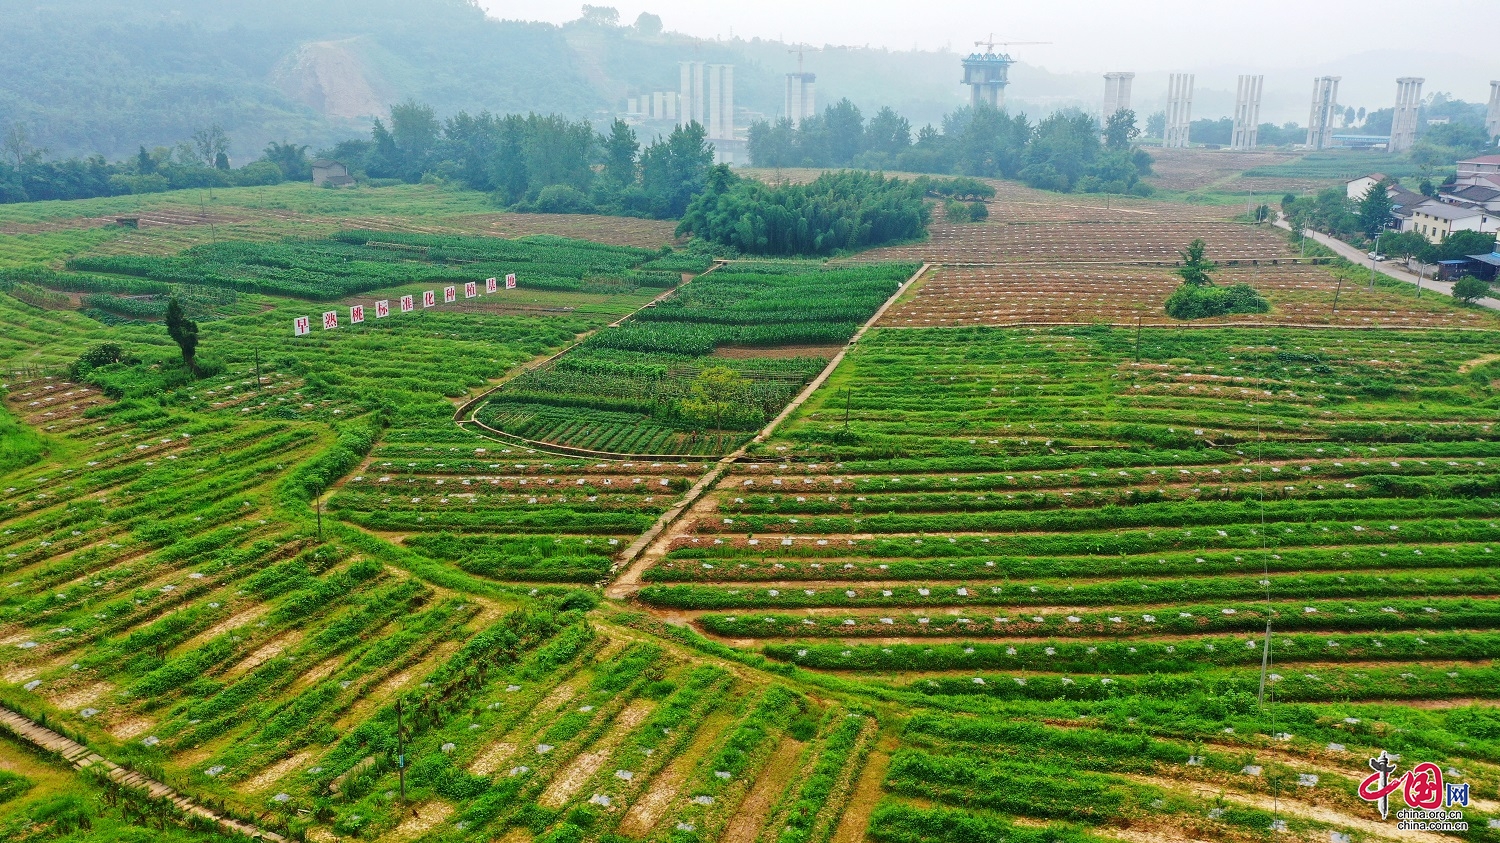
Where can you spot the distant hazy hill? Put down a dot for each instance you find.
(105, 75)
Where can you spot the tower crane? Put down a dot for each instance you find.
(990, 43)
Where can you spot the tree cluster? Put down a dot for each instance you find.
(1334, 213)
(537, 163)
(27, 176)
(837, 212)
(1199, 298)
(1067, 151)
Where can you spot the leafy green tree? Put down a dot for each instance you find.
(648, 24)
(1196, 268)
(836, 211)
(558, 151)
(1332, 211)
(414, 131)
(1460, 244)
(1156, 124)
(17, 143)
(102, 354)
(1375, 210)
(601, 15)
(1469, 289)
(846, 132)
(1262, 213)
(620, 150)
(675, 169)
(1405, 245)
(990, 143)
(291, 158)
(184, 332)
(1063, 146)
(210, 143)
(384, 158)
(888, 132)
(715, 393)
(469, 145)
(1120, 129)
(772, 144)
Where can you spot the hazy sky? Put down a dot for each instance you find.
(1088, 35)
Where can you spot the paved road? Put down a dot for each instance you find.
(1354, 255)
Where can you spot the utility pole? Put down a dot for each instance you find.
(1265, 660)
(400, 750)
(847, 393)
(1336, 297)
(1373, 257)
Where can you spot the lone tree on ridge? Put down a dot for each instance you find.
(1196, 267)
(184, 332)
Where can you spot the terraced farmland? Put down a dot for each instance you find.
(1079, 295)
(1146, 241)
(996, 580)
(1029, 523)
(638, 387)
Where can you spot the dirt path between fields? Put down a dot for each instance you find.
(655, 543)
(867, 792)
(772, 782)
(664, 787)
(1292, 807)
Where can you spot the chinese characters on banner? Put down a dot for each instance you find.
(302, 325)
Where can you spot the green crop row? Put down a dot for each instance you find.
(357, 262)
(900, 822)
(1105, 593)
(687, 564)
(1182, 655)
(1183, 513)
(1192, 619)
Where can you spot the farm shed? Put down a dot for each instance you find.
(326, 171)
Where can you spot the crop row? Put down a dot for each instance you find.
(1463, 581)
(1181, 619)
(687, 564)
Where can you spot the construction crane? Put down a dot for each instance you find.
(799, 50)
(799, 88)
(988, 73)
(990, 44)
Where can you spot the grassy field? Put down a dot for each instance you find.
(997, 579)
